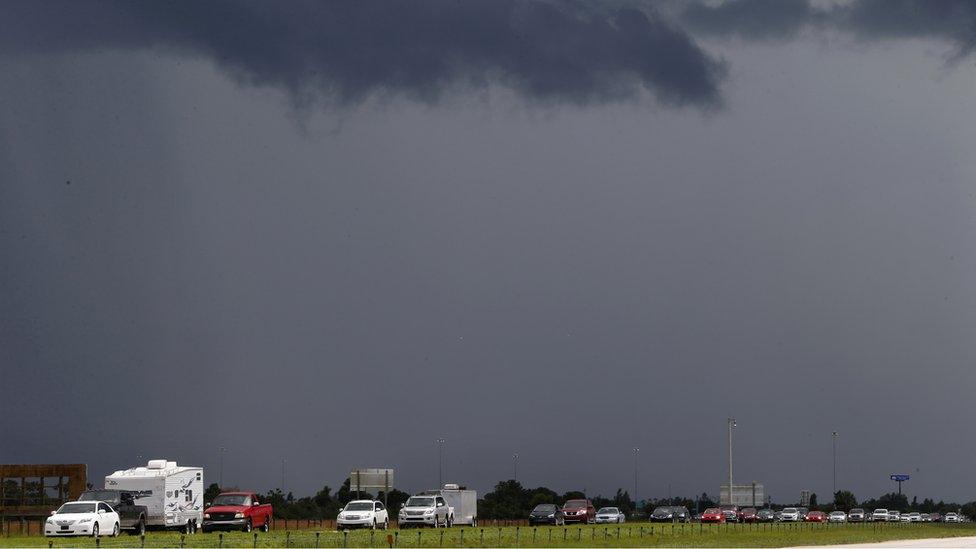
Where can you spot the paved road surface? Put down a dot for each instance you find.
(933, 542)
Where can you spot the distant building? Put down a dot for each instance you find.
(804, 498)
(743, 495)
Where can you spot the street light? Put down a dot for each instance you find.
(440, 462)
(731, 426)
(636, 451)
(833, 437)
(220, 477)
(515, 462)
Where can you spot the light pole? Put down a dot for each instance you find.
(833, 439)
(515, 466)
(220, 476)
(283, 461)
(731, 426)
(636, 451)
(440, 462)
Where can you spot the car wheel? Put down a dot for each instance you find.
(386, 524)
(95, 530)
(115, 530)
(266, 527)
(247, 525)
(374, 524)
(450, 522)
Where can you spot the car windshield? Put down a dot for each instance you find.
(420, 502)
(789, 510)
(359, 506)
(544, 508)
(99, 495)
(837, 513)
(711, 511)
(69, 508)
(575, 504)
(608, 510)
(880, 510)
(662, 510)
(750, 510)
(231, 499)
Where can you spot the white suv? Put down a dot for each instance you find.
(426, 510)
(363, 513)
(879, 515)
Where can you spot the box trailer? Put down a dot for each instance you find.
(464, 502)
(172, 494)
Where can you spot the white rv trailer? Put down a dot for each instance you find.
(172, 494)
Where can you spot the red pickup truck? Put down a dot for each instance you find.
(237, 511)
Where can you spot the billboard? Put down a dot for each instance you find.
(743, 495)
(371, 480)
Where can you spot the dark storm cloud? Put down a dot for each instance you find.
(346, 51)
(756, 19)
(951, 20)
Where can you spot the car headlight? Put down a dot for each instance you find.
(238, 515)
(85, 520)
(552, 515)
(429, 512)
(206, 515)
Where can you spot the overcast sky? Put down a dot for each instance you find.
(331, 233)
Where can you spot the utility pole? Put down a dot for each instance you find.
(283, 461)
(515, 466)
(636, 451)
(220, 476)
(833, 438)
(440, 462)
(731, 426)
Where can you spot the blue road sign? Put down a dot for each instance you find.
(899, 478)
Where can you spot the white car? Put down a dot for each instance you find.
(363, 513)
(83, 518)
(914, 517)
(837, 516)
(879, 515)
(950, 517)
(894, 516)
(790, 514)
(609, 515)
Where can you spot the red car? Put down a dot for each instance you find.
(816, 516)
(579, 510)
(713, 514)
(748, 515)
(237, 511)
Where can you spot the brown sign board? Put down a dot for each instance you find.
(37, 489)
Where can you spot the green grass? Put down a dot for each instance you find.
(627, 535)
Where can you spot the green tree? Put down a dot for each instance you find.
(844, 500)
(211, 492)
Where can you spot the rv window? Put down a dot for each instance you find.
(189, 495)
(379, 506)
(169, 493)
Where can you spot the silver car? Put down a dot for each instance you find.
(609, 515)
(837, 516)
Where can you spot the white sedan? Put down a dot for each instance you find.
(363, 513)
(609, 514)
(83, 518)
(837, 516)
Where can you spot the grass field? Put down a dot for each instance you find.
(626, 535)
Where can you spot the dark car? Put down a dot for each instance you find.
(748, 515)
(731, 513)
(671, 513)
(546, 513)
(579, 510)
(132, 517)
(765, 515)
(663, 514)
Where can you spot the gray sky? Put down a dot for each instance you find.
(333, 234)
